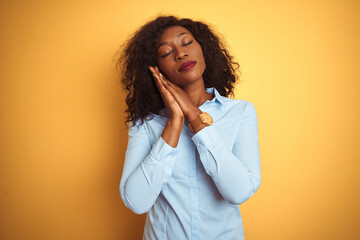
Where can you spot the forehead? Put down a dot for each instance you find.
(172, 32)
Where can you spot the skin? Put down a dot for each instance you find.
(182, 91)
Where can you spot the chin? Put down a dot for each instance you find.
(184, 81)
(193, 74)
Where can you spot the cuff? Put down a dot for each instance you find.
(205, 140)
(161, 150)
(164, 154)
(206, 137)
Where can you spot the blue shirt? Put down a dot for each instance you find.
(193, 191)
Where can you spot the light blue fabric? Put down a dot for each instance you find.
(193, 191)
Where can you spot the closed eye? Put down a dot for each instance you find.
(166, 54)
(171, 50)
(188, 43)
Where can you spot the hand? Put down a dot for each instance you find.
(174, 125)
(188, 108)
(174, 110)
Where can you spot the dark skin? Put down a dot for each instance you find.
(182, 91)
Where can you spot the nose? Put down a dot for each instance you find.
(181, 55)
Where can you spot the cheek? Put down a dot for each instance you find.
(170, 72)
(202, 62)
(201, 56)
(166, 69)
(163, 66)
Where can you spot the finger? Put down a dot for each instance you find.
(160, 76)
(152, 69)
(165, 93)
(165, 81)
(159, 84)
(156, 76)
(170, 87)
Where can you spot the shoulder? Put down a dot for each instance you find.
(238, 105)
(150, 125)
(137, 127)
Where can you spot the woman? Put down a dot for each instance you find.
(193, 154)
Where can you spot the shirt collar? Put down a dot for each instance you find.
(217, 97)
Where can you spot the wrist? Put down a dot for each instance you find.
(202, 120)
(172, 131)
(176, 123)
(193, 114)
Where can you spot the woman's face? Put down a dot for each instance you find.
(180, 57)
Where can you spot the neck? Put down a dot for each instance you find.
(197, 93)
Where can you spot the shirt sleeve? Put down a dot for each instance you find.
(146, 169)
(235, 171)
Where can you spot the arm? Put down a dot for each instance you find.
(236, 172)
(146, 169)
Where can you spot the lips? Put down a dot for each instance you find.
(186, 66)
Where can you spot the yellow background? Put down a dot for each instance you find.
(63, 138)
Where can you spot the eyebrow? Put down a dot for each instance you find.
(167, 42)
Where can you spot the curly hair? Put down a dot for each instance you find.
(143, 98)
